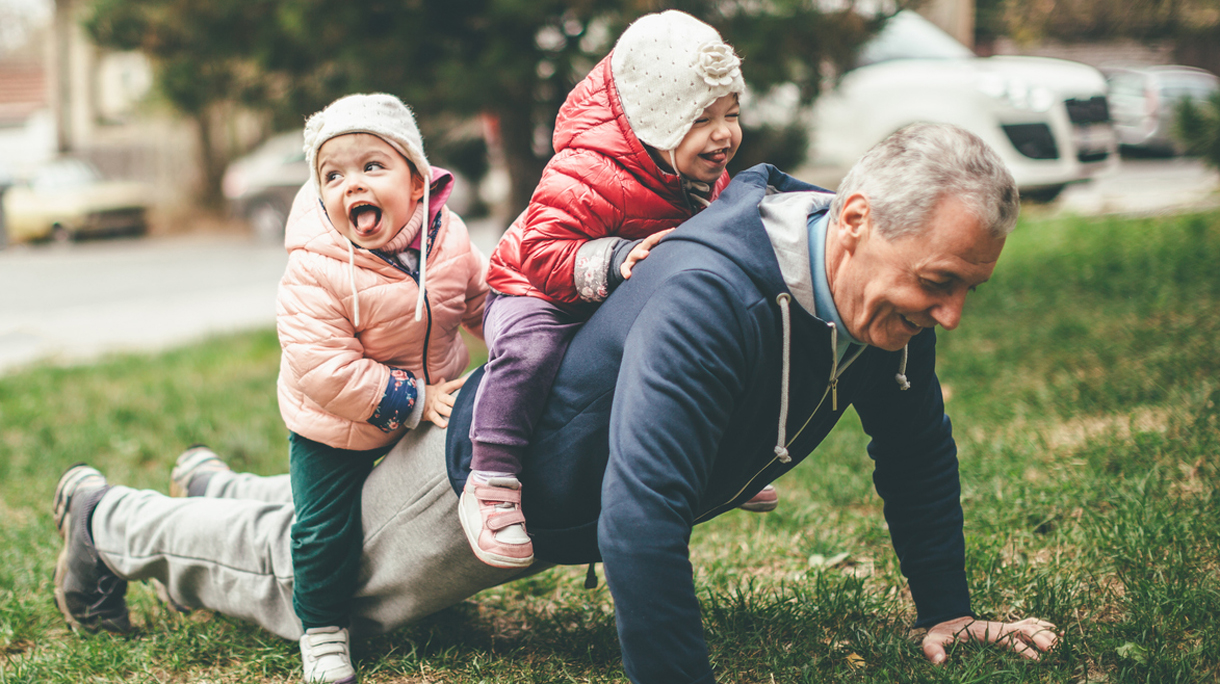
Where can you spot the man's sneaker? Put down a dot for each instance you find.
(494, 525)
(326, 656)
(763, 502)
(87, 592)
(198, 461)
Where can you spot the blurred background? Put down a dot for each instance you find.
(196, 107)
(174, 118)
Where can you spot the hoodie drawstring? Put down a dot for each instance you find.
(423, 251)
(780, 449)
(901, 378)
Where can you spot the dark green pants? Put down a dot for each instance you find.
(326, 536)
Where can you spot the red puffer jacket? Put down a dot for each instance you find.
(601, 183)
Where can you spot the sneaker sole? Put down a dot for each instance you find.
(61, 569)
(188, 462)
(69, 482)
(759, 508)
(495, 560)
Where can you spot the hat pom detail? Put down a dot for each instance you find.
(717, 64)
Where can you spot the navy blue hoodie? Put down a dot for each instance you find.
(665, 414)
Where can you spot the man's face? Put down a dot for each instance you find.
(887, 291)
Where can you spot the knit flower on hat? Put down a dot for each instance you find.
(717, 64)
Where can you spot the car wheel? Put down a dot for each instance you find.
(1042, 195)
(60, 235)
(267, 221)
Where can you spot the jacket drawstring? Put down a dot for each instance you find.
(351, 278)
(780, 449)
(423, 251)
(700, 189)
(901, 378)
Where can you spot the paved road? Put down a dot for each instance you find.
(72, 303)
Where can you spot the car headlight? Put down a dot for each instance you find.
(1017, 93)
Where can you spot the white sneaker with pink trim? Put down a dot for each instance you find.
(494, 525)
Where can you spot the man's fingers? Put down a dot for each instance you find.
(934, 651)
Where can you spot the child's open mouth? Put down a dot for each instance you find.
(365, 218)
(717, 157)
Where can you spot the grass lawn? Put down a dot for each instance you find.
(1084, 386)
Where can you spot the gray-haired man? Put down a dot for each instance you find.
(723, 362)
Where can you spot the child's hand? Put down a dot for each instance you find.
(438, 400)
(641, 250)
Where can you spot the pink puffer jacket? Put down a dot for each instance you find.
(333, 374)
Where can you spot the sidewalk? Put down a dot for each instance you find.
(73, 303)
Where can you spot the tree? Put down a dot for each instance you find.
(1198, 128)
(1071, 20)
(513, 61)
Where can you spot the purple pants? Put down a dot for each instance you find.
(526, 339)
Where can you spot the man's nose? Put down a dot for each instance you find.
(948, 313)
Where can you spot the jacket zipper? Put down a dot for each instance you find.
(831, 389)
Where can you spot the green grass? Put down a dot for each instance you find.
(1084, 386)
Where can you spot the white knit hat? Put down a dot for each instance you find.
(668, 67)
(384, 116)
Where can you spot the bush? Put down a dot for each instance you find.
(1198, 128)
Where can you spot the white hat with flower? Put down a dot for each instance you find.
(668, 67)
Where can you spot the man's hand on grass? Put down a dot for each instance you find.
(438, 400)
(1029, 637)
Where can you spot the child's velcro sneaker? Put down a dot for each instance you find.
(326, 656)
(494, 525)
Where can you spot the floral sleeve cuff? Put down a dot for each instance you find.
(592, 268)
(398, 403)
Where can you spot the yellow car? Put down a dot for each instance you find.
(68, 198)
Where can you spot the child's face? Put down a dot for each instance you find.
(711, 142)
(368, 188)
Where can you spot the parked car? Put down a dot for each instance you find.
(260, 186)
(69, 198)
(1047, 118)
(1144, 103)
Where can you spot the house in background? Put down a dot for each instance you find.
(60, 95)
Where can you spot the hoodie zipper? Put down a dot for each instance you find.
(831, 389)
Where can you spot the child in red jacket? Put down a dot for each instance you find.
(641, 144)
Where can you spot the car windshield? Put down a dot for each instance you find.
(65, 173)
(909, 36)
(1194, 86)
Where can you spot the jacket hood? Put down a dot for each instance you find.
(592, 118)
(719, 226)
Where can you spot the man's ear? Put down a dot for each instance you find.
(854, 220)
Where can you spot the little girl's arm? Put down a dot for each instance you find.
(320, 347)
(476, 291)
(569, 228)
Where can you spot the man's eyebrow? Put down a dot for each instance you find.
(951, 274)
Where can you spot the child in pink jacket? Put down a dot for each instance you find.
(380, 277)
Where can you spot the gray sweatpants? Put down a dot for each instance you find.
(229, 551)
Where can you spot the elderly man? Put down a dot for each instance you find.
(724, 361)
